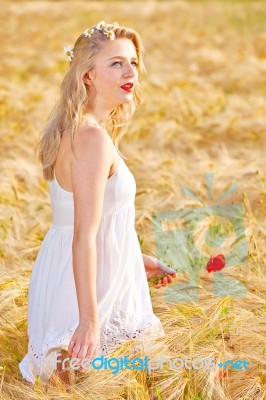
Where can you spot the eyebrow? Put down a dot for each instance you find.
(123, 58)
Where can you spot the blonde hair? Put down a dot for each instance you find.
(67, 114)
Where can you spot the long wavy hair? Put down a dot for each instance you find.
(75, 97)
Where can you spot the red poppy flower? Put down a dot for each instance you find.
(215, 263)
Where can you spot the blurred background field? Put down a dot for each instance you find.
(203, 111)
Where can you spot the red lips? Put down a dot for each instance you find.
(127, 86)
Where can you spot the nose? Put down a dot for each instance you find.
(129, 70)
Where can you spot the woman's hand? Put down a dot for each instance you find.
(84, 340)
(157, 272)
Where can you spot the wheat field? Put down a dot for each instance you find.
(203, 112)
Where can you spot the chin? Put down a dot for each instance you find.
(129, 99)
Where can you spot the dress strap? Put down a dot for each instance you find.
(95, 123)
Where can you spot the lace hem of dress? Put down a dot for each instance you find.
(148, 331)
(108, 340)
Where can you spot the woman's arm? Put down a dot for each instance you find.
(89, 173)
(84, 269)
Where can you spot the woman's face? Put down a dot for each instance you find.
(115, 65)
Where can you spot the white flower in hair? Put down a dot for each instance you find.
(68, 52)
(100, 25)
(88, 32)
(115, 23)
(110, 34)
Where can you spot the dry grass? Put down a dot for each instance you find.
(204, 111)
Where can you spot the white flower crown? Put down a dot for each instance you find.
(102, 27)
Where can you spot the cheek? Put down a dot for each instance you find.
(115, 80)
(111, 78)
(109, 82)
(114, 83)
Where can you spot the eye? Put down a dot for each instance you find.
(119, 62)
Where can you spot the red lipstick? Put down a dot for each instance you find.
(127, 87)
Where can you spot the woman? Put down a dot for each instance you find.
(88, 290)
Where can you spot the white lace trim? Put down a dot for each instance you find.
(108, 341)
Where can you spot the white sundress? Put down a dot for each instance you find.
(123, 298)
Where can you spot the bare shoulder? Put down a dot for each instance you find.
(92, 135)
(93, 142)
(94, 155)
